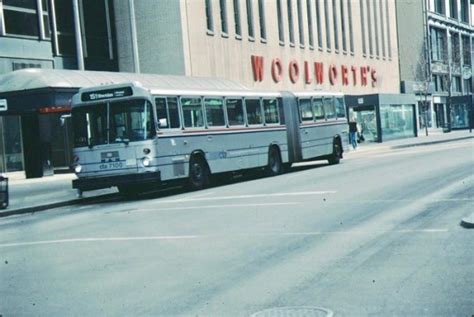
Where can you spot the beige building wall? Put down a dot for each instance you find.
(227, 56)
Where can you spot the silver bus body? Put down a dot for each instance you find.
(228, 130)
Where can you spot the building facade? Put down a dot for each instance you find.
(436, 53)
(347, 46)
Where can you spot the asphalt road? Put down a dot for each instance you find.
(376, 235)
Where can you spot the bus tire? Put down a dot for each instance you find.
(336, 155)
(198, 173)
(275, 166)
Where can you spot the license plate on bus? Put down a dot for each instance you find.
(111, 165)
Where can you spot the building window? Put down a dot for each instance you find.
(438, 44)
(65, 27)
(465, 11)
(439, 82)
(389, 38)
(456, 54)
(261, 12)
(318, 24)
(466, 50)
(97, 31)
(343, 26)
(251, 29)
(334, 20)
(238, 26)
(310, 24)
(369, 27)
(351, 35)
(456, 83)
(453, 9)
(439, 6)
(20, 17)
(376, 28)
(223, 11)
(468, 86)
(382, 30)
(300, 23)
(281, 31)
(328, 26)
(209, 18)
(291, 30)
(362, 27)
(47, 29)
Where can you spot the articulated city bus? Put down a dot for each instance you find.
(133, 136)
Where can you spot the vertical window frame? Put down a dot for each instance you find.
(327, 26)
(300, 24)
(223, 16)
(291, 26)
(309, 16)
(237, 19)
(335, 25)
(318, 24)
(209, 17)
(262, 21)
(350, 26)
(281, 28)
(343, 26)
(250, 21)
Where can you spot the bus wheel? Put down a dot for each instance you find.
(336, 155)
(198, 173)
(275, 166)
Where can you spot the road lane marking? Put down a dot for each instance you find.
(224, 206)
(194, 237)
(328, 192)
(114, 239)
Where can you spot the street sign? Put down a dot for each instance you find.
(3, 105)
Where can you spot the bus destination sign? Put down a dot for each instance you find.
(107, 94)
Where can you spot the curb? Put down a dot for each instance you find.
(401, 146)
(76, 201)
(468, 222)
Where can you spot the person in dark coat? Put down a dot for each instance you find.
(353, 132)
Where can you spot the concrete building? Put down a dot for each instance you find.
(347, 46)
(436, 52)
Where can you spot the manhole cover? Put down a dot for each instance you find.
(294, 312)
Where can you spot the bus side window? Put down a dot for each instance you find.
(173, 112)
(254, 111)
(214, 112)
(192, 112)
(162, 113)
(281, 111)
(329, 108)
(306, 109)
(167, 112)
(270, 108)
(235, 111)
(340, 109)
(318, 109)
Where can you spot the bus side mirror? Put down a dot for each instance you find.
(63, 119)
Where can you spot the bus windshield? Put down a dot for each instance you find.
(113, 122)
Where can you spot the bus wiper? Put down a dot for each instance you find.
(91, 143)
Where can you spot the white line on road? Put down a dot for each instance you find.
(193, 237)
(248, 196)
(60, 241)
(224, 206)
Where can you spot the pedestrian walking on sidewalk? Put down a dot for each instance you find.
(353, 132)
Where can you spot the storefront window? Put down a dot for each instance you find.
(397, 121)
(459, 116)
(11, 150)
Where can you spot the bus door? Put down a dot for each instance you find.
(292, 122)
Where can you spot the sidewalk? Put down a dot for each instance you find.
(32, 195)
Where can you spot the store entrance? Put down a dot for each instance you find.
(367, 119)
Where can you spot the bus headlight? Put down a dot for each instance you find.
(78, 169)
(146, 161)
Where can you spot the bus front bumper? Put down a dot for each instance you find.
(93, 183)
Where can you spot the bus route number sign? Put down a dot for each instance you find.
(107, 94)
